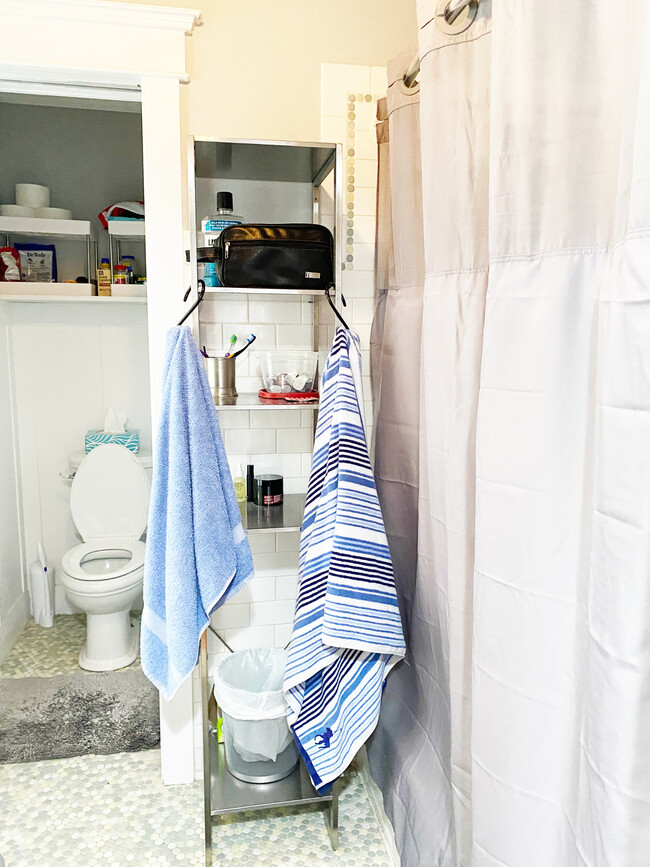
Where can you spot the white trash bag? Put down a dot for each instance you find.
(248, 689)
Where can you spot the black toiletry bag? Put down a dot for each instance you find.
(275, 256)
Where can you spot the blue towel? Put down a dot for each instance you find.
(197, 552)
(347, 630)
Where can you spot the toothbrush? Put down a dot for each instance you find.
(244, 348)
(233, 341)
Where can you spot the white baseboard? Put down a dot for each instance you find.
(377, 801)
(13, 624)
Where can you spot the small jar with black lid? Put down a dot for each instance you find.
(268, 490)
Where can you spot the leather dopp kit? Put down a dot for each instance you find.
(275, 256)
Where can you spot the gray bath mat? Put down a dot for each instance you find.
(72, 715)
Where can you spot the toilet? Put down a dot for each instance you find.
(109, 501)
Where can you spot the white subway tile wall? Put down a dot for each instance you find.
(280, 441)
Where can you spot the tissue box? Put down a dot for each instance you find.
(130, 439)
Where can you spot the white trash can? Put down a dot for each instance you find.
(258, 743)
(41, 593)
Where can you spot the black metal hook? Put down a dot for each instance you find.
(331, 304)
(201, 293)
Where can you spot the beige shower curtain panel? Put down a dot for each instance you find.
(395, 367)
(517, 733)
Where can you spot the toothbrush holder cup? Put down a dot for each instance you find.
(221, 376)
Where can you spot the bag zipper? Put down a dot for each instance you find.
(259, 242)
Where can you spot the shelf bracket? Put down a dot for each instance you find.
(331, 816)
(207, 794)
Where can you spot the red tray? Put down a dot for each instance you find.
(290, 396)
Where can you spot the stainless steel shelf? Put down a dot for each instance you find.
(252, 400)
(305, 164)
(230, 795)
(285, 518)
(259, 290)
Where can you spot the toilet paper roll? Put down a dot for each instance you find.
(16, 211)
(53, 213)
(32, 195)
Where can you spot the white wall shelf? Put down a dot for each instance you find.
(70, 299)
(44, 290)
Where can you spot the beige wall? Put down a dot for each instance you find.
(255, 65)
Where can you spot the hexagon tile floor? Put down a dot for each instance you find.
(113, 811)
(43, 652)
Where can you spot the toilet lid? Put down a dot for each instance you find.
(110, 494)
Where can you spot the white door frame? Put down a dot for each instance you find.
(99, 49)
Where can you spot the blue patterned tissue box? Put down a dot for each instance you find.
(130, 439)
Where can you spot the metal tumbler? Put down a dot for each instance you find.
(221, 376)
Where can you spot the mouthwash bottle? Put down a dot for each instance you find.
(213, 225)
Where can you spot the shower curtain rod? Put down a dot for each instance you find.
(450, 14)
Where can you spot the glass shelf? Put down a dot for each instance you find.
(285, 518)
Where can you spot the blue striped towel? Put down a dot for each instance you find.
(197, 553)
(347, 631)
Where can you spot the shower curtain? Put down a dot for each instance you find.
(395, 372)
(523, 707)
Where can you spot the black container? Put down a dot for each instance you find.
(250, 483)
(268, 490)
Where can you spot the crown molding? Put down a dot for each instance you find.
(25, 76)
(104, 12)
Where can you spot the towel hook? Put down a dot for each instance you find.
(331, 304)
(201, 293)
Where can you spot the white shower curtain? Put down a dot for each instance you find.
(533, 633)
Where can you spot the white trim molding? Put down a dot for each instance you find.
(102, 12)
(93, 49)
(93, 42)
(25, 78)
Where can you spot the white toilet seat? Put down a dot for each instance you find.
(72, 560)
(103, 576)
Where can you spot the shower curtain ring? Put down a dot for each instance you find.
(449, 19)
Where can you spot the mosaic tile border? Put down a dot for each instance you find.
(350, 163)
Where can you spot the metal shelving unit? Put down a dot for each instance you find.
(42, 227)
(299, 163)
(225, 794)
(123, 230)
